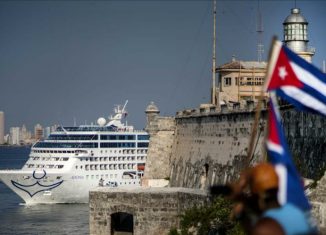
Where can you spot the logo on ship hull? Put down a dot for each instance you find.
(36, 187)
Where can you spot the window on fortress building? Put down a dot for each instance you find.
(259, 81)
(245, 97)
(227, 81)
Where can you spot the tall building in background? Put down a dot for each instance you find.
(47, 132)
(2, 127)
(15, 136)
(25, 135)
(38, 132)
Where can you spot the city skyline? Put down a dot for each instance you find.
(71, 61)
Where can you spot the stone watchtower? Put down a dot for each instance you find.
(161, 132)
(296, 34)
(152, 113)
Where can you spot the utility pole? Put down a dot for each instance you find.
(213, 101)
(260, 30)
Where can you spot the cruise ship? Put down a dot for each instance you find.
(73, 160)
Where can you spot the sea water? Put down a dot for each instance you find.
(17, 218)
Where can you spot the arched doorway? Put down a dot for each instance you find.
(122, 223)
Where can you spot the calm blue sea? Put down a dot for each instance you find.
(17, 218)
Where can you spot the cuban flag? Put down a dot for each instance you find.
(290, 185)
(296, 80)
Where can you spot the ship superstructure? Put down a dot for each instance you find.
(73, 160)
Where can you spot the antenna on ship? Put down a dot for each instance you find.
(213, 99)
(123, 109)
(260, 30)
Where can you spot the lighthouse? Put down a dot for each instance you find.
(296, 34)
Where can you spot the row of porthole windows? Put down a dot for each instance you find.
(125, 151)
(50, 158)
(106, 176)
(104, 159)
(107, 167)
(51, 166)
(26, 177)
(102, 151)
(52, 151)
(65, 145)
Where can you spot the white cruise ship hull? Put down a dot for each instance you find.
(67, 189)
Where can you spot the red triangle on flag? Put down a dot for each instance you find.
(283, 74)
(273, 129)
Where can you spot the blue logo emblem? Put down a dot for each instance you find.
(37, 187)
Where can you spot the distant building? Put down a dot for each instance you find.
(25, 135)
(47, 131)
(240, 81)
(38, 132)
(15, 136)
(2, 127)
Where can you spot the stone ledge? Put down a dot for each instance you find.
(137, 190)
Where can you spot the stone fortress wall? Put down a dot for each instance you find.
(205, 142)
(210, 147)
(207, 146)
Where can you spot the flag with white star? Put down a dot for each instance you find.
(296, 80)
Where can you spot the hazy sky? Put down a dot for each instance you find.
(61, 60)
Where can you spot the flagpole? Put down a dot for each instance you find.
(251, 148)
(254, 129)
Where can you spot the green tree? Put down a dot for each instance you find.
(213, 218)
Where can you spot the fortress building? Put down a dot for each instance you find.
(241, 81)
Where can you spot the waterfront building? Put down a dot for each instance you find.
(15, 136)
(47, 132)
(38, 132)
(25, 136)
(7, 138)
(2, 127)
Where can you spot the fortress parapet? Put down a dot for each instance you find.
(232, 107)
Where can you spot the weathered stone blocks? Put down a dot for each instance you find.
(154, 210)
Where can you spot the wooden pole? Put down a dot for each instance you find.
(258, 110)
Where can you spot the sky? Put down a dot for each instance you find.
(62, 61)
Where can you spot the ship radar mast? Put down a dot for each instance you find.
(115, 121)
